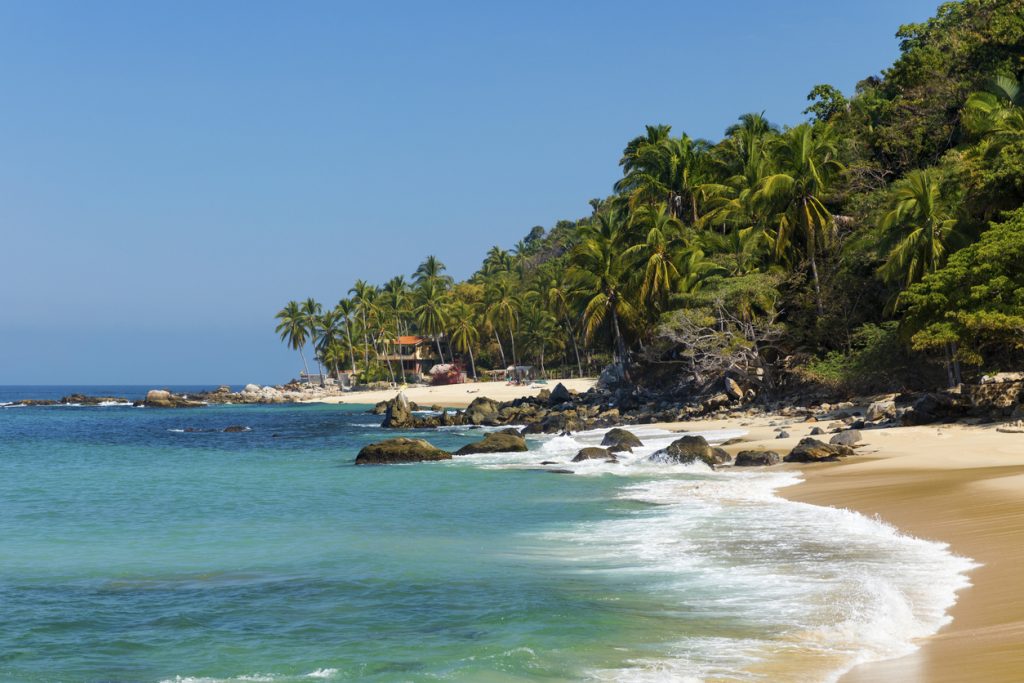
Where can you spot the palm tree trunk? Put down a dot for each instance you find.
(575, 348)
(305, 368)
(437, 341)
(472, 363)
(351, 349)
(501, 349)
(620, 347)
(512, 338)
(817, 284)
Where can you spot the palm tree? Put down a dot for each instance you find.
(293, 329)
(431, 270)
(502, 310)
(430, 311)
(557, 287)
(655, 253)
(346, 310)
(670, 171)
(311, 311)
(997, 113)
(540, 332)
(497, 261)
(921, 233)
(600, 257)
(806, 158)
(918, 227)
(363, 293)
(329, 333)
(464, 331)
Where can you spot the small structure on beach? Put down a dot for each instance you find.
(414, 354)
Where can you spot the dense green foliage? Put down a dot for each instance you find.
(870, 246)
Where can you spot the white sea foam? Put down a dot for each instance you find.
(830, 587)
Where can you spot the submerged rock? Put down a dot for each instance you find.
(236, 428)
(593, 453)
(401, 450)
(495, 442)
(619, 440)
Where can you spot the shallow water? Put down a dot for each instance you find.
(135, 551)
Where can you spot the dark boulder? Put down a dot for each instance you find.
(495, 442)
(783, 435)
(691, 449)
(619, 440)
(757, 459)
(236, 428)
(593, 453)
(559, 395)
(394, 451)
(812, 450)
(817, 431)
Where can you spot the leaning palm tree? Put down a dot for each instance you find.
(464, 331)
(557, 287)
(293, 329)
(600, 257)
(806, 159)
(329, 335)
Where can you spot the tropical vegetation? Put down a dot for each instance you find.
(879, 243)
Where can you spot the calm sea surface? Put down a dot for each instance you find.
(133, 550)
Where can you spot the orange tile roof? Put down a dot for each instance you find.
(405, 340)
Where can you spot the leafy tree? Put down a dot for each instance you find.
(976, 301)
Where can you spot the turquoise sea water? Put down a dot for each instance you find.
(131, 550)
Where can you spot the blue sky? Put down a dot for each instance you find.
(172, 173)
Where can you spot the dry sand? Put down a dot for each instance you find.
(960, 484)
(457, 395)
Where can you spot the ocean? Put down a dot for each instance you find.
(148, 545)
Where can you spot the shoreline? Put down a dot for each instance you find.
(957, 484)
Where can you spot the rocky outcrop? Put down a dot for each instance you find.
(402, 450)
(398, 413)
(161, 398)
(757, 459)
(733, 390)
(812, 450)
(482, 411)
(594, 453)
(236, 428)
(619, 440)
(692, 449)
(881, 410)
(495, 442)
(83, 400)
(851, 437)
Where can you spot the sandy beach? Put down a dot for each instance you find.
(456, 395)
(959, 484)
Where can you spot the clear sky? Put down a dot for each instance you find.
(171, 173)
